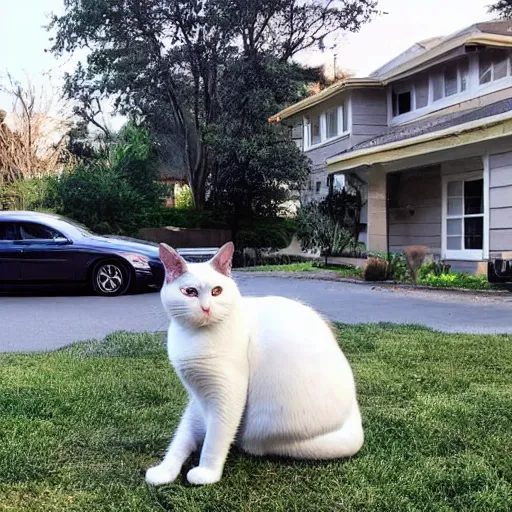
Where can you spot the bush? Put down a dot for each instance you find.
(32, 194)
(376, 269)
(183, 199)
(397, 266)
(96, 196)
(415, 256)
(266, 233)
(183, 218)
(456, 280)
(437, 268)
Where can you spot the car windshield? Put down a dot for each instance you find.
(84, 230)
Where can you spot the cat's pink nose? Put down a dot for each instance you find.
(206, 310)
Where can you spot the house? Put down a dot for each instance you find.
(429, 135)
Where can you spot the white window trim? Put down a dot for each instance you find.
(466, 254)
(323, 127)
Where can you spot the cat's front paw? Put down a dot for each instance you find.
(203, 476)
(161, 475)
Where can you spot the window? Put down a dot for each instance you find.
(464, 226)
(328, 125)
(31, 231)
(451, 86)
(318, 186)
(463, 75)
(494, 65)
(315, 130)
(331, 119)
(421, 92)
(437, 85)
(402, 100)
(8, 232)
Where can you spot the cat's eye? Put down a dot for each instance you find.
(189, 292)
(216, 291)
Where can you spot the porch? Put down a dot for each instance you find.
(457, 202)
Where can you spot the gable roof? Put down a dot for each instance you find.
(496, 118)
(418, 57)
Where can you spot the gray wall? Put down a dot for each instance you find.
(369, 114)
(419, 191)
(500, 202)
(367, 119)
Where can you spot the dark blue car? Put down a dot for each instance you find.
(39, 249)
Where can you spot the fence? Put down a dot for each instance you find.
(181, 238)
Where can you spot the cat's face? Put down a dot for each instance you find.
(198, 294)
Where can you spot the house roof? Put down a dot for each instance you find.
(421, 127)
(325, 94)
(428, 135)
(418, 57)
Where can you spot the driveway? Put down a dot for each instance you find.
(45, 323)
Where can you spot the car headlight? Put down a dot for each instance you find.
(137, 261)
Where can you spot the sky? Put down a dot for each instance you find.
(24, 38)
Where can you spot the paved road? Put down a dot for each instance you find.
(44, 323)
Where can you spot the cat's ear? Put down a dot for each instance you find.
(222, 261)
(174, 264)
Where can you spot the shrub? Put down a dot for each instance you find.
(376, 269)
(318, 231)
(397, 266)
(415, 256)
(437, 268)
(266, 233)
(457, 280)
(183, 198)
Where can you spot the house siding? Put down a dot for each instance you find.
(369, 114)
(500, 202)
(418, 191)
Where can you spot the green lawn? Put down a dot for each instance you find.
(308, 266)
(79, 426)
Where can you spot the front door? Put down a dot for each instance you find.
(463, 217)
(45, 258)
(10, 253)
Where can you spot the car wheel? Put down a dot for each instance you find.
(110, 278)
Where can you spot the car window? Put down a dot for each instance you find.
(8, 232)
(32, 231)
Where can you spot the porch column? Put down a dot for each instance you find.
(377, 215)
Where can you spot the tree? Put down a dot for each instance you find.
(33, 136)
(503, 8)
(258, 164)
(163, 59)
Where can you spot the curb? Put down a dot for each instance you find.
(382, 284)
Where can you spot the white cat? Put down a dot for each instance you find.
(264, 372)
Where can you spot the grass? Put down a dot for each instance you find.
(79, 426)
(309, 266)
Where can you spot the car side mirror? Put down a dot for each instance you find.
(62, 241)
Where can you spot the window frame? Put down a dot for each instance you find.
(465, 254)
(29, 241)
(343, 113)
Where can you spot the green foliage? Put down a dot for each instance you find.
(266, 233)
(397, 265)
(183, 199)
(33, 194)
(115, 192)
(258, 166)
(317, 231)
(436, 268)
(80, 425)
(501, 8)
(171, 61)
(184, 218)
(456, 280)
